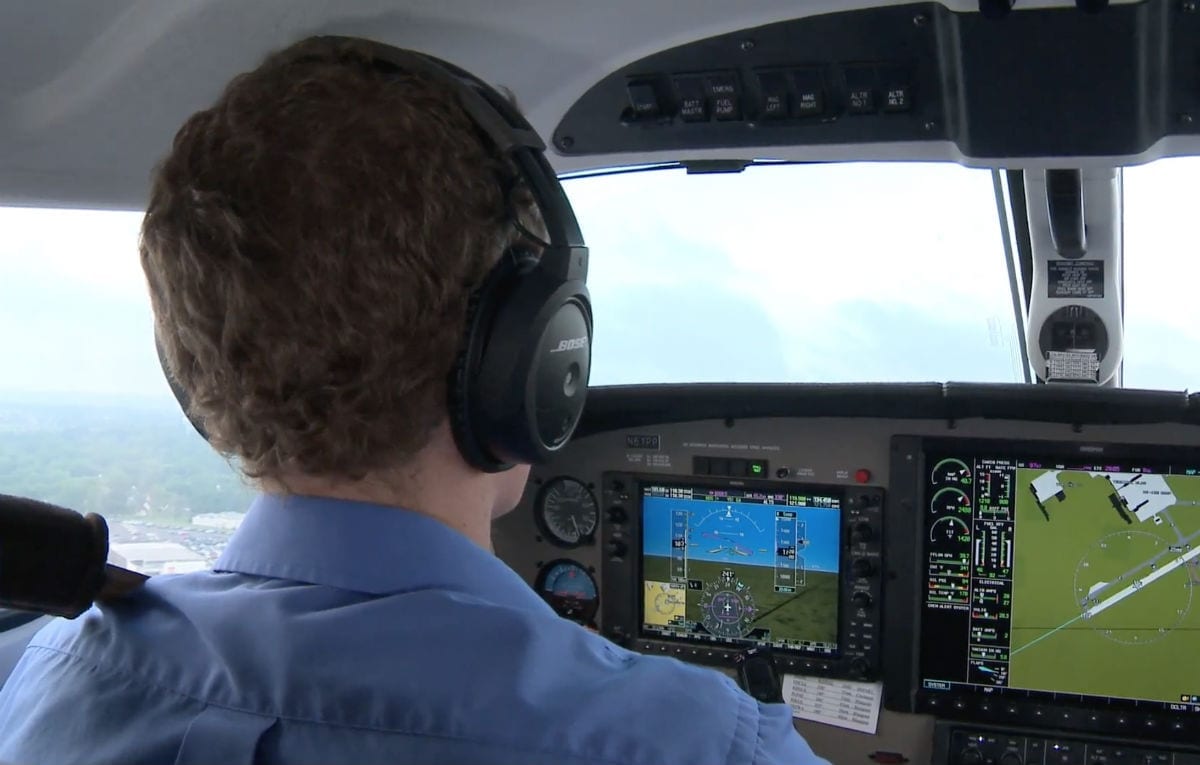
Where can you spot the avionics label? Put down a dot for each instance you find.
(1076, 278)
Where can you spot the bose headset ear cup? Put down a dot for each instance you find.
(557, 390)
(531, 384)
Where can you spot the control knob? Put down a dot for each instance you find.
(862, 599)
(862, 567)
(617, 514)
(868, 500)
(862, 532)
(617, 550)
(1011, 758)
(970, 756)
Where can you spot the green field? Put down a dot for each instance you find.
(1142, 646)
(1187, 490)
(809, 614)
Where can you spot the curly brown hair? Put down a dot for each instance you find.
(311, 244)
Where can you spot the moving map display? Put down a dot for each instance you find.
(741, 566)
(1062, 580)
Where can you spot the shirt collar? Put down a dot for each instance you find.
(367, 548)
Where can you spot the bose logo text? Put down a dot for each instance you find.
(573, 344)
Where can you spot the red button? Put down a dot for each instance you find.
(862, 475)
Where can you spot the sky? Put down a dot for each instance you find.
(754, 532)
(829, 273)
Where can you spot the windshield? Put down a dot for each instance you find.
(847, 272)
(86, 418)
(1162, 335)
(798, 273)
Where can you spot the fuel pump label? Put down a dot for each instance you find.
(1076, 278)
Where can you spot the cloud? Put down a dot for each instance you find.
(1162, 259)
(872, 342)
(74, 336)
(1159, 355)
(828, 270)
(97, 248)
(663, 333)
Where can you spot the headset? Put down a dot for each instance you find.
(518, 387)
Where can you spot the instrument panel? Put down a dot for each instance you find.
(992, 571)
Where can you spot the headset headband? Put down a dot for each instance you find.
(566, 256)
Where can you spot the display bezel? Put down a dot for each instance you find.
(738, 645)
(904, 611)
(621, 609)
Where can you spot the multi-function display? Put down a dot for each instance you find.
(1061, 579)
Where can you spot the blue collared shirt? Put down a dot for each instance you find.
(341, 632)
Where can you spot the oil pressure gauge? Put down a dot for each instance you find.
(566, 512)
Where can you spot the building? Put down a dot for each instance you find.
(223, 521)
(153, 558)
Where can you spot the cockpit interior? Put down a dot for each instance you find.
(895, 326)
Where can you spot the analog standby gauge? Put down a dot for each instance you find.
(566, 512)
(569, 589)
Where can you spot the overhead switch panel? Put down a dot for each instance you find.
(906, 74)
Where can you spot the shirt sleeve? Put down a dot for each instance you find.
(778, 742)
(59, 708)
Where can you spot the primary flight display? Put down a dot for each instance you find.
(741, 566)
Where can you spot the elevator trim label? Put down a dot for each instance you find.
(1075, 278)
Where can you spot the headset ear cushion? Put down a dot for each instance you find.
(481, 311)
(177, 390)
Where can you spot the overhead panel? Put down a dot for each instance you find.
(1037, 83)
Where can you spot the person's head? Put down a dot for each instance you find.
(311, 245)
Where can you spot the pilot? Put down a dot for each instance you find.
(311, 245)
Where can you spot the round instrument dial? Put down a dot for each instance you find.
(950, 501)
(566, 512)
(951, 472)
(727, 608)
(569, 589)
